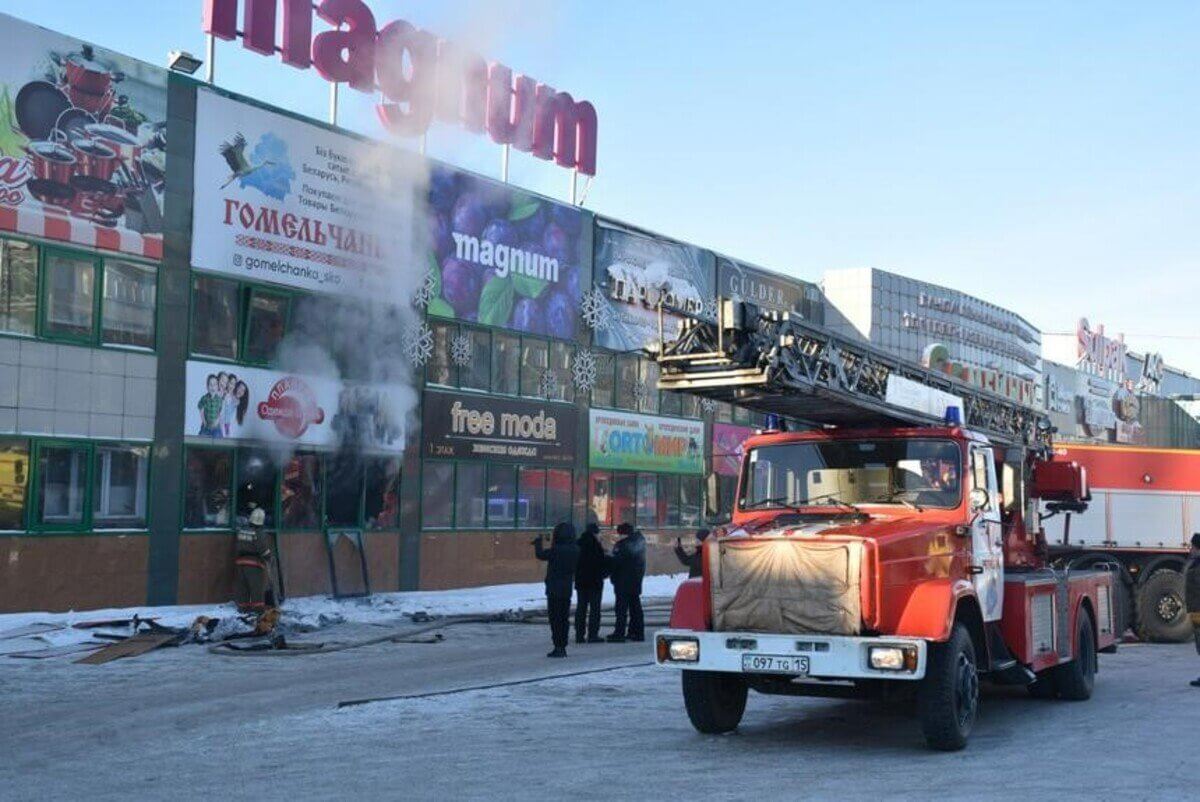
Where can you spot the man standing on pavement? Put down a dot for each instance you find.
(589, 586)
(1191, 582)
(628, 567)
(693, 561)
(561, 559)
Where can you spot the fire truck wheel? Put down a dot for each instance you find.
(715, 700)
(1076, 679)
(948, 699)
(1161, 615)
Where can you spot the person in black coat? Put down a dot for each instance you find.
(589, 586)
(628, 566)
(693, 560)
(561, 559)
(1191, 593)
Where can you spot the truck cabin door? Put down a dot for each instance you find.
(987, 543)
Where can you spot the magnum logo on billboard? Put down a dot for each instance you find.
(466, 426)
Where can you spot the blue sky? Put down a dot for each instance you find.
(1043, 156)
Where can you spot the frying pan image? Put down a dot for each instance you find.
(38, 107)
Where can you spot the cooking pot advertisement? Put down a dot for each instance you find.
(82, 142)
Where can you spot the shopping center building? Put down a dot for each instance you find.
(208, 304)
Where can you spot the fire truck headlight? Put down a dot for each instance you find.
(678, 650)
(893, 658)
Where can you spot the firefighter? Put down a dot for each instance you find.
(252, 590)
(692, 561)
(1191, 581)
(561, 559)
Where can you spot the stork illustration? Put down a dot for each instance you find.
(234, 153)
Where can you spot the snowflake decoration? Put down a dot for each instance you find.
(462, 348)
(418, 344)
(707, 406)
(709, 310)
(594, 310)
(547, 384)
(426, 292)
(584, 371)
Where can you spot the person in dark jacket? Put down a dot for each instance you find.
(1191, 586)
(628, 566)
(561, 559)
(693, 560)
(589, 586)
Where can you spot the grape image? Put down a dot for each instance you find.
(560, 314)
(526, 316)
(439, 236)
(501, 232)
(567, 219)
(556, 244)
(460, 286)
(443, 189)
(470, 214)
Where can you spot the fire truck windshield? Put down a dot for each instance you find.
(911, 472)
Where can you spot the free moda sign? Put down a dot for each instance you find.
(467, 426)
(290, 202)
(636, 273)
(727, 447)
(229, 402)
(82, 142)
(632, 442)
(502, 257)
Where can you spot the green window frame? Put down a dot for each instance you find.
(494, 473)
(231, 488)
(35, 498)
(16, 469)
(252, 294)
(246, 292)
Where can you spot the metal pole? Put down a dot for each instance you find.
(421, 143)
(333, 102)
(574, 184)
(210, 58)
(504, 163)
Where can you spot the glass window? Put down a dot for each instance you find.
(506, 363)
(62, 475)
(343, 488)
(724, 412)
(691, 505)
(439, 370)
(558, 496)
(726, 490)
(670, 403)
(602, 390)
(119, 498)
(560, 366)
(668, 501)
(531, 498)
(533, 363)
(301, 492)
(627, 376)
(648, 376)
(624, 491)
(70, 295)
(437, 489)
(214, 317)
(257, 475)
(690, 405)
(741, 415)
(470, 496)
(647, 499)
(381, 506)
(501, 496)
(476, 374)
(600, 497)
(18, 286)
(206, 494)
(14, 476)
(266, 319)
(127, 313)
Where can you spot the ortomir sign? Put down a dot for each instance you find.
(420, 76)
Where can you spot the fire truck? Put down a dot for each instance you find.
(1145, 507)
(890, 549)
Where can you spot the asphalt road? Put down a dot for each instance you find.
(184, 724)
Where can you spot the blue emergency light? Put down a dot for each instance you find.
(953, 416)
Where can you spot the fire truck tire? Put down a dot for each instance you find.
(948, 698)
(1161, 615)
(715, 700)
(1076, 679)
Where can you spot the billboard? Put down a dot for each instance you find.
(770, 291)
(727, 447)
(234, 402)
(480, 427)
(82, 142)
(502, 257)
(632, 442)
(286, 201)
(635, 273)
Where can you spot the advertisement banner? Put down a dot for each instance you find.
(727, 447)
(479, 427)
(241, 403)
(635, 272)
(632, 442)
(82, 142)
(286, 201)
(746, 283)
(503, 257)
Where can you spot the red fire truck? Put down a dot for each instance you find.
(883, 552)
(1145, 506)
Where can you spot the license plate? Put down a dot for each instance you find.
(774, 664)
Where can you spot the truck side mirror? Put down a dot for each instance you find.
(712, 497)
(979, 499)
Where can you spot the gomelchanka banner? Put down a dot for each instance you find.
(286, 201)
(480, 427)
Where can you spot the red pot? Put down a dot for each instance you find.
(94, 158)
(124, 143)
(51, 161)
(88, 76)
(96, 104)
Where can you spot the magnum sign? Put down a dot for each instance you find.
(465, 426)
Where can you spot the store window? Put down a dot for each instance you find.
(502, 510)
(560, 368)
(668, 501)
(533, 364)
(437, 493)
(70, 296)
(689, 405)
(531, 498)
(128, 305)
(14, 477)
(624, 493)
(381, 502)
(209, 479)
(439, 369)
(506, 364)
(627, 377)
(648, 379)
(476, 374)
(266, 321)
(691, 501)
(603, 389)
(18, 286)
(470, 496)
(558, 496)
(671, 403)
(120, 487)
(257, 482)
(647, 499)
(214, 317)
(62, 484)
(600, 498)
(343, 489)
(301, 492)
